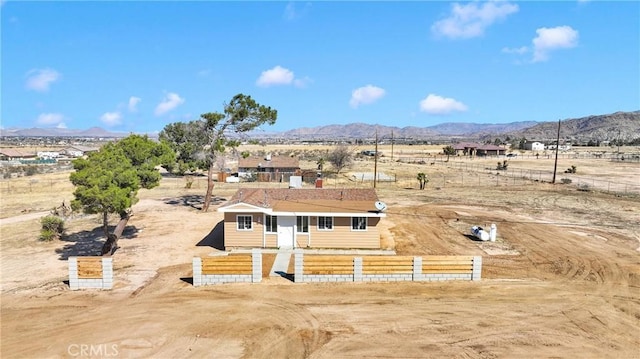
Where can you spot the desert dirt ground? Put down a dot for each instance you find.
(562, 279)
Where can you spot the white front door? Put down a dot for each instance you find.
(286, 231)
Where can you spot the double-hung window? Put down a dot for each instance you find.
(325, 223)
(358, 223)
(245, 223)
(302, 224)
(271, 224)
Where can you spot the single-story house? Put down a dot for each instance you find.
(269, 168)
(10, 154)
(490, 150)
(78, 150)
(477, 149)
(534, 146)
(302, 218)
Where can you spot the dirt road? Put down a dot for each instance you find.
(22, 218)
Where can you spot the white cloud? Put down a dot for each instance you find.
(61, 125)
(133, 103)
(366, 95)
(170, 102)
(204, 73)
(471, 20)
(438, 105)
(549, 39)
(275, 76)
(293, 13)
(111, 118)
(40, 79)
(303, 82)
(49, 119)
(515, 50)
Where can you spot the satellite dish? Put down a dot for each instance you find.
(380, 206)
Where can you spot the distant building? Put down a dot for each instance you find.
(477, 149)
(10, 154)
(534, 146)
(48, 155)
(269, 168)
(78, 150)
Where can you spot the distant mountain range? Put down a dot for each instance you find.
(93, 132)
(619, 125)
(363, 130)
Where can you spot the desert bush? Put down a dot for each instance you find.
(52, 228)
(31, 170)
(584, 187)
(188, 182)
(566, 180)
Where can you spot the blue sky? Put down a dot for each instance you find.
(137, 66)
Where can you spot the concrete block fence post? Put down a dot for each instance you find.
(197, 271)
(417, 268)
(298, 264)
(73, 273)
(256, 262)
(107, 273)
(357, 269)
(477, 268)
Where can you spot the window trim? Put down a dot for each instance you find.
(298, 227)
(268, 224)
(353, 223)
(325, 224)
(244, 223)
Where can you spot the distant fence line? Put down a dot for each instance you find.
(482, 175)
(471, 174)
(416, 156)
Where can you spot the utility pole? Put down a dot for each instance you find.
(391, 145)
(618, 154)
(375, 163)
(555, 165)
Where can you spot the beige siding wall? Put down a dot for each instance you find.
(342, 236)
(302, 240)
(235, 238)
(271, 240)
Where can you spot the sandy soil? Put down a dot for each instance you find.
(562, 280)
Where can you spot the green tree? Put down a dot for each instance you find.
(199, 143)
(522, 143)
(340, 158)
(107, 181)
(449, 151)
(187, 141)
(423, 179)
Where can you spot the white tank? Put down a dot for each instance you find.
(480, 233)
(493, 232)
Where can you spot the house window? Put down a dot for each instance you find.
(271, 224)
(325, 223)
(302, 224)
(359, 223)
(245, 223)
